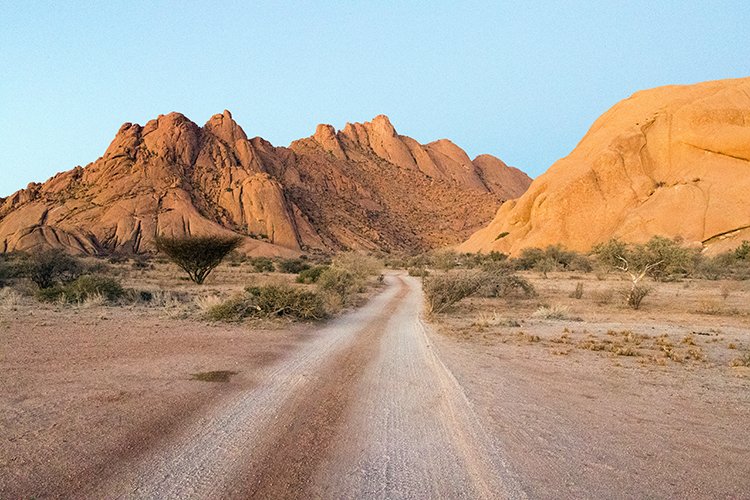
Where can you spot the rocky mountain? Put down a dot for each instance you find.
(672, 161)
(364, 187)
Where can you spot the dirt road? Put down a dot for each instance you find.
(366, 410)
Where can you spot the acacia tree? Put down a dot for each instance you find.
(197, 255)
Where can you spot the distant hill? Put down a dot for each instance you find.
(364, 187)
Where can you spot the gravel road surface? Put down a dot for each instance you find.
(366, 410)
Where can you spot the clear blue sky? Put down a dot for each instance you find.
(520, 80)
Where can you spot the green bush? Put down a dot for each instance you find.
(504, 284)
(667, 258)
(262, 264)
(360, 265)
(233, 309)
(742, 252)
(293, 266)
(419, 272)
(311, 275)
(270, 301)
(340, 282)
(551, 258)
(446, 289)
(445, 260)
(284, 300)
(85, 287)
(197, 255)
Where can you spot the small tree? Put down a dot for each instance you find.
(197, 255)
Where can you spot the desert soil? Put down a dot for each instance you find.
(378, 403)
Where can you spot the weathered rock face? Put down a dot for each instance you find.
(673, 161)
(364, 187)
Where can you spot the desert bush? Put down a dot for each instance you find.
(270, 301)
(12, 265)
(674, 260)
(578, 292)
(262, 265)
(603, 297)
(666, 259)
(85, 287)
(529, 258)
(360, 265)
(233, 309)
(293, 266)
(446, 289)
(504, 283)
(339, 282)
(284, 300)
(419, 272)
(52, 267)
(197, 255)
(445, 260)
(713, 268)
(551, 258)
(635, 295)
(742, 252)
(609, 253)
(311, 275)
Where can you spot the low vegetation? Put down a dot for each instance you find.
(86, 287)
(270, 301)
(444, 290)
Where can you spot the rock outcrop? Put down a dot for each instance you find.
(365, 187)
(672, 161)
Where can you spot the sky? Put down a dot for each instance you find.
(520, 80)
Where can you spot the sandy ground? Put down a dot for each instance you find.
(379, 403)
(577, 423)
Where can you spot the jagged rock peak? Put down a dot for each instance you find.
(224, 127)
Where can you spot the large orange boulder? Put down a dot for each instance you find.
(672, 161)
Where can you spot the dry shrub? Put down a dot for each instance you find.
(446, 289)
(311, 275)
(270, 301)
(360, 265)
(603, 297)
(578, 292)
(341, 284)
(728, 289)
(419, 272)
(635, 295)
(503, 283)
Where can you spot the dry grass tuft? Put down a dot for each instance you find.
(10, 299)
(215, 376)
(743, 360)
(555, 311)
